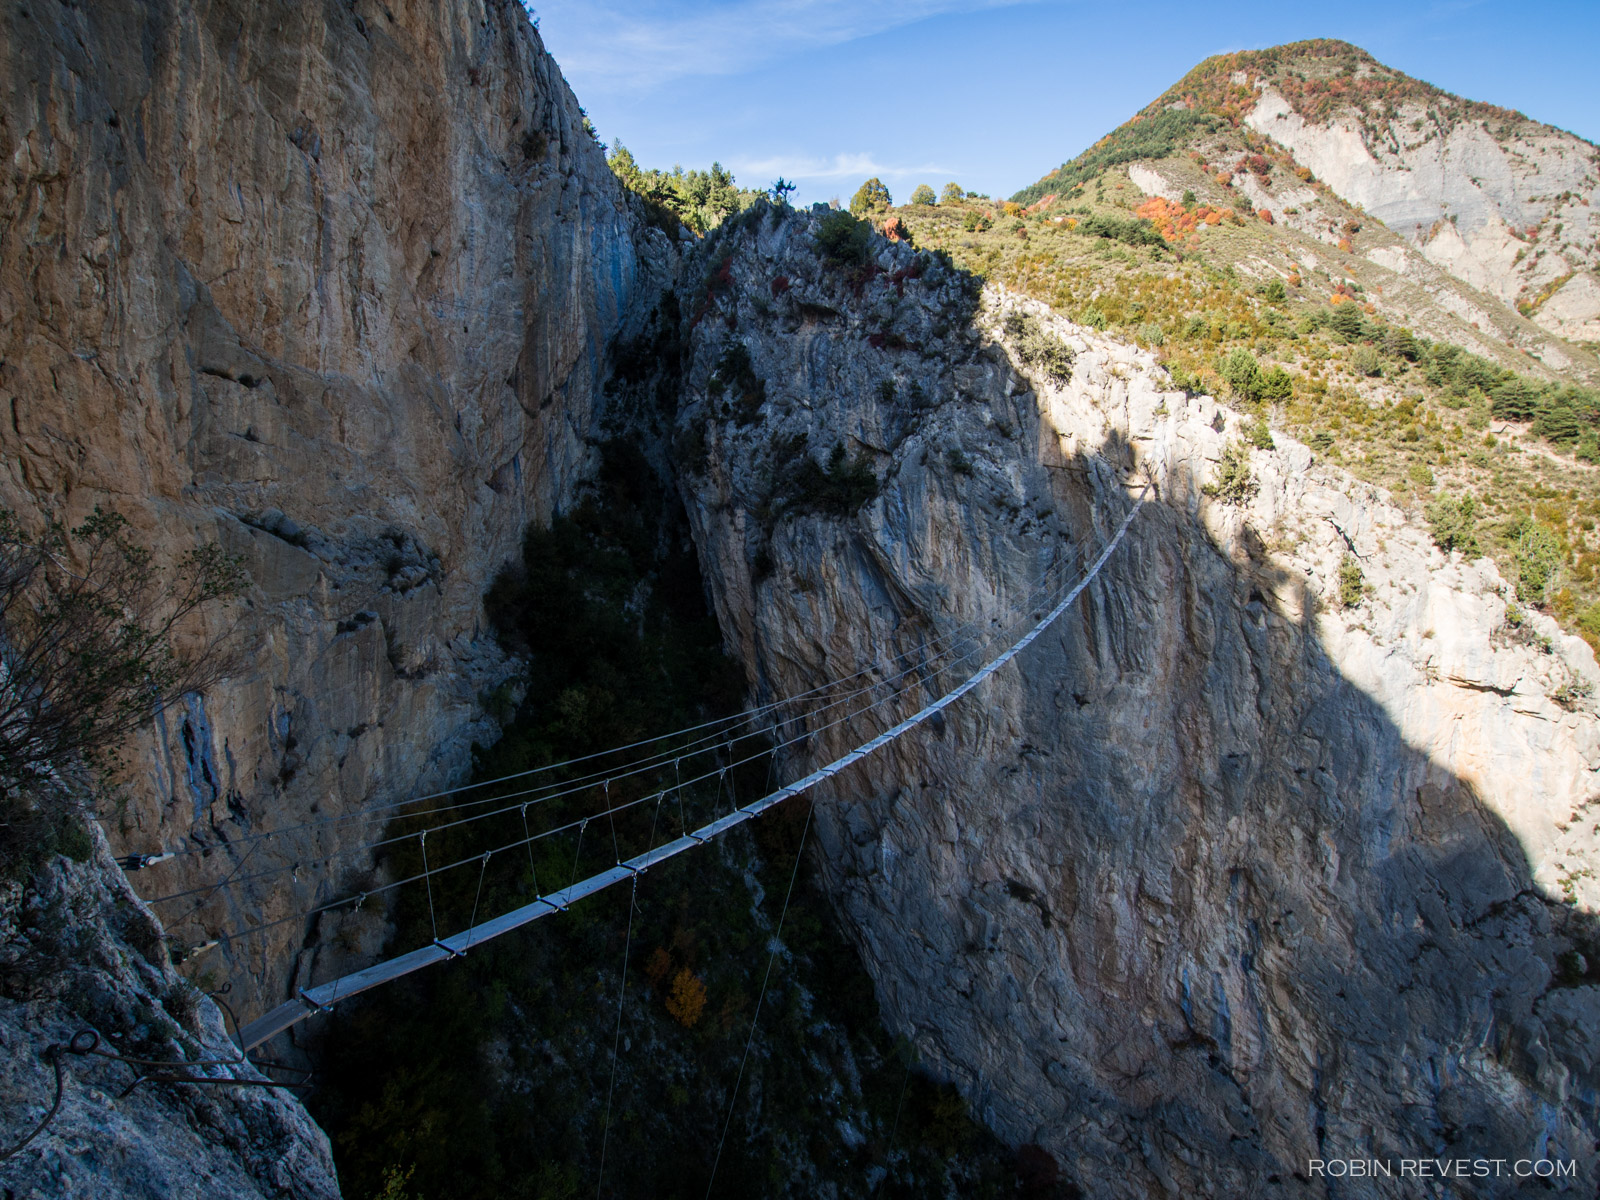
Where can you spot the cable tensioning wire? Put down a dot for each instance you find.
(574, 789)
(732, 720)
(579, 787)
(576, 786)
(719, 772)
(583, 822)
(580, 824)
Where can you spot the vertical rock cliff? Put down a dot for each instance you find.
(1230, 874)
(330, 283)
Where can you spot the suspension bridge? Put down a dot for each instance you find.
(836, 705)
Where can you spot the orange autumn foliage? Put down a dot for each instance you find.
(687, 999)
(1344, 244)
(1265, 214)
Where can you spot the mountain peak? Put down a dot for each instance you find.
(1321, 78)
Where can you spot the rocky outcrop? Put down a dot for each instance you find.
(1505, 206)
(1229, 875)
(332, 284)
(79, 956)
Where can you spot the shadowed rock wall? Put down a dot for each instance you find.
(1222, 876)
(331, 283)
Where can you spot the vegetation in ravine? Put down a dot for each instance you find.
(509, 1051)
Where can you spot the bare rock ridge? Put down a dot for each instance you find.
(1230, 875)
(332, 283)
(1504, 203)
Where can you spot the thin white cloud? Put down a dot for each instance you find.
(840, 166)
(642, 45)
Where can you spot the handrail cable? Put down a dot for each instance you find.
(579, 823)
(321, 996)
(733, 721)
(572, 788)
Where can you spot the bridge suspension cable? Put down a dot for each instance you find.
(559, 789)
(322, 997)
(748, 717)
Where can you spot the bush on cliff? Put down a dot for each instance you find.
(87, 626)
(843, 240)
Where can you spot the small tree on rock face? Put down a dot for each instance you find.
(86, 626)
(870, 197)
(1233, 483)
(923, 194)
(1539, 558)
(952, 194)
(1352, 583)
(1455, 524)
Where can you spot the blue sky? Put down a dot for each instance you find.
(994, 93)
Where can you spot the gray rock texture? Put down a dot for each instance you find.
(1505, 205)
(78, 951)
(332, 284)
(1224, 877)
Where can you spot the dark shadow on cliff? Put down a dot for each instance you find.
(1371, 971)
(509, 1052)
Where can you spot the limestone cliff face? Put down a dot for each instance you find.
(1224, 876)
(331, 283)
(1508, 209)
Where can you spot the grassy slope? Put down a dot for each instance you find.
(1420, 428)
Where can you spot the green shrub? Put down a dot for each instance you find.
(1539, 557)
(1037, 347)
(1134, 231)
(1398, 343)
(1352, 583)
(843, 240)
(1277, 385)
(1366, 361)
(1274, 292)
(1242, 373)
(976, 222)
(1420, 474)
(1455, 524)
(1347, 321)
(922, 194)
(736, 373)
(838, 489)
(871, 197)
(952, 194)
(958, 460)
(1233, 482)
(1259, 434)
